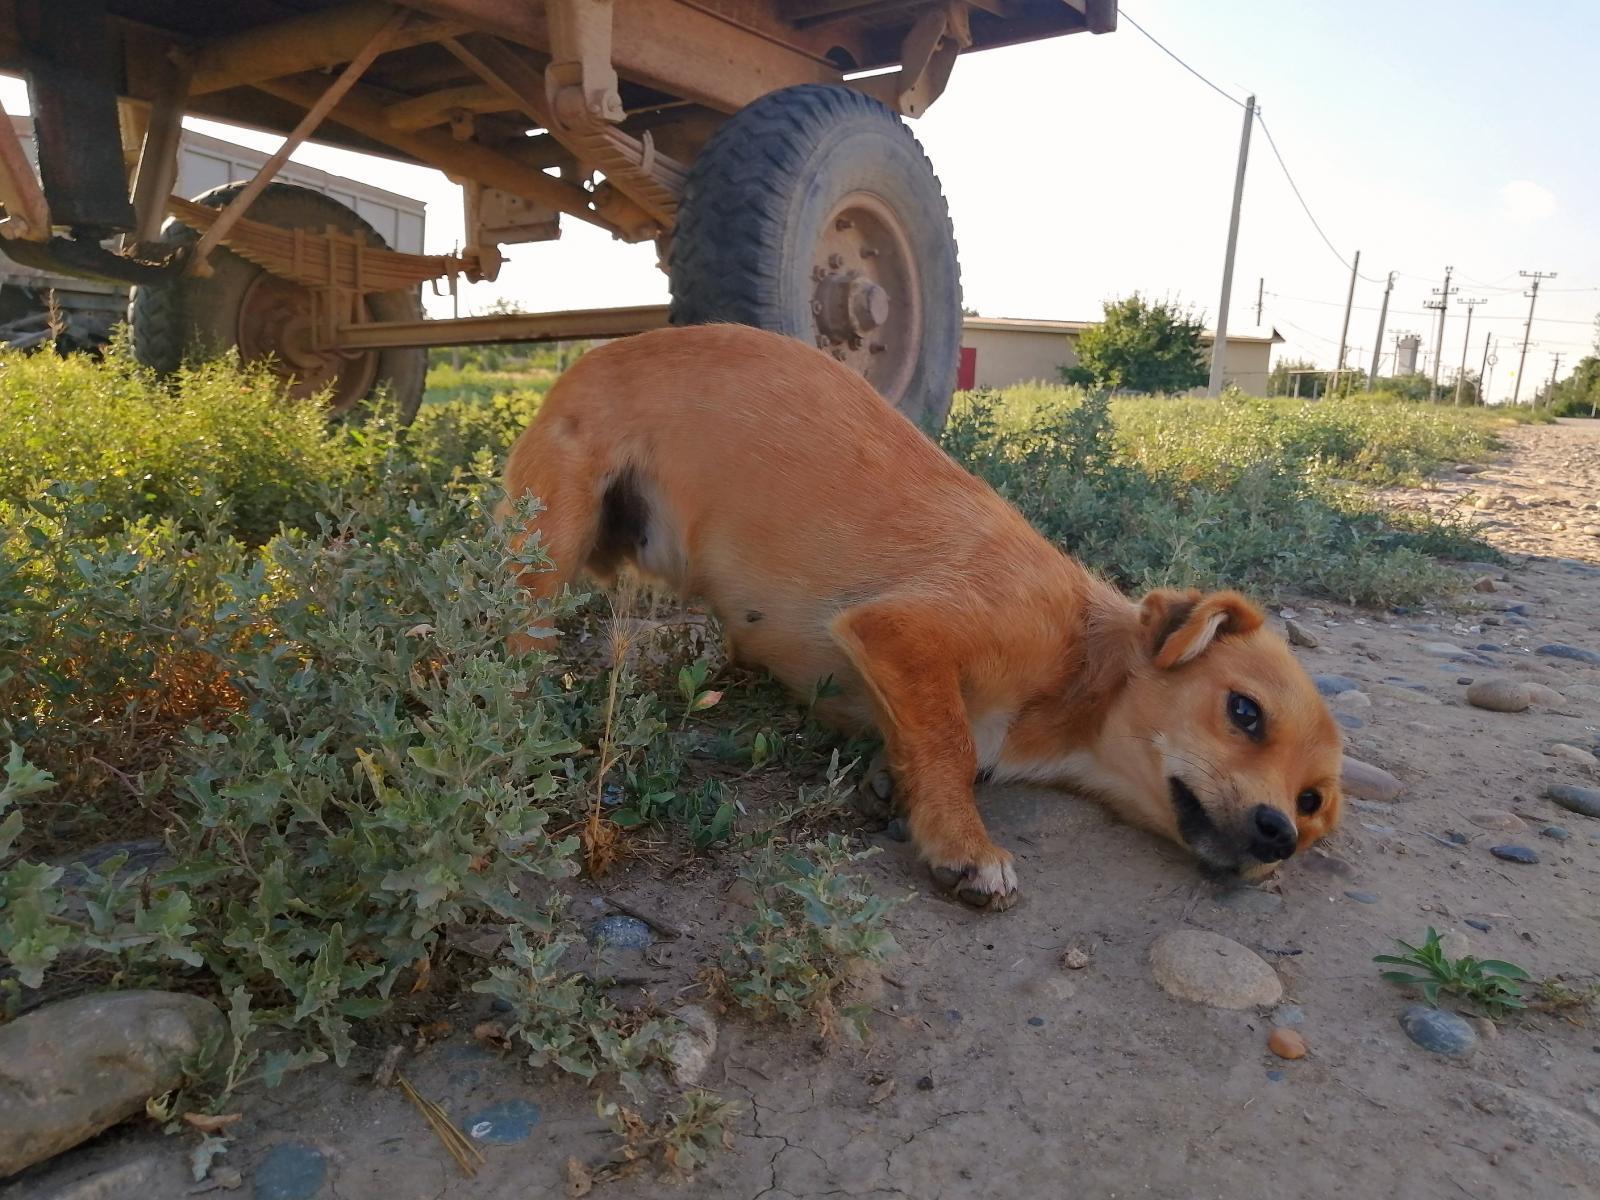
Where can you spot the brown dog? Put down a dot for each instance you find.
(833, 539)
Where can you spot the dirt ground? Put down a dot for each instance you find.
(1014, 1076)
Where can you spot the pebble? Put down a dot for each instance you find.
(1500, 695)
(290, 1171)
(1576, 755)
(1286, 1043)
(1483, 584)
(897, 830)
(620, 932)
(1362, 897)
(1208, 968)
(1075, 959)
(503, 1124)
(1442, 649)
(1547, 696)
(925, 1083)
(1299, 635)
(1501, 822)
(1367, 782)
(1555, 833)
(1585, 801)
(1036, 1021)
(75, 1067)
(1250, 900)
(1349, 720)
(1288, 1014)
(1332, 685)
(1345, 701)
(1573, 653)
(1439, 1031)
(689, 1050)
(1516, 854)
(1480, 926)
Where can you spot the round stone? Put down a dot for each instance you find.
(505, 1123)
(1299, 635)
(1208, 968)
(1480, 926)
(1501, 822)
(1585, 801)
(1332, 685)
(1367, 782)
(621, 932)
(1286, 1043)
(1555, 833)
(290, 1171)
(1363, 897)
(1516, 854)
(1439, 1031)
(1500, 695)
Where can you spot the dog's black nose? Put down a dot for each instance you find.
(1272, 834)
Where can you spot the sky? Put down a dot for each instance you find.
(1424, 134)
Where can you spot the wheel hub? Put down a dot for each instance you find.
(275, 318)
(866, 299)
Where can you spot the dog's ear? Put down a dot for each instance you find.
(1180, 625)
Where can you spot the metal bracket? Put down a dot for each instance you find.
(580, 82)
(929, 54)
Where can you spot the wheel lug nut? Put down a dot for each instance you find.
(844, 223)
(877, 347)
(836, 261)
(869, 252)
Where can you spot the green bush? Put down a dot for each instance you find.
(214, 439)
(1171, 499)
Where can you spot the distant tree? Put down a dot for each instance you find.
(1578, 395)
(1312, 378)
(1141, 346)
(969, 312)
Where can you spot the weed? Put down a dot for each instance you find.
(682, 1140)
(691, 687)
(1490, 984)
(814, 921)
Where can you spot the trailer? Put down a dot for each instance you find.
(38, 306)
(760, 146)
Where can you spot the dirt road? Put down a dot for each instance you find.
(1015, 1076)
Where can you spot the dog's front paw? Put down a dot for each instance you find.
(987, 881)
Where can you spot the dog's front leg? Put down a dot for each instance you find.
(915, 687)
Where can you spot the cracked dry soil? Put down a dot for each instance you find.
(1014, 1076)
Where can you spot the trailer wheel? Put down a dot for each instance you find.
(241, 305)
(813, 212)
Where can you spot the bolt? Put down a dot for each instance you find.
(868, 252)
(855, 341)
(822, 342)
(839, 354)
(844, 223)
(818, 274)
(877, 347)
(836, 261)
(816, 308)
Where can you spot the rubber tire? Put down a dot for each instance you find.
(198, 317)
(753, 207)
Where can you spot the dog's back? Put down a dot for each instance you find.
(748, 469)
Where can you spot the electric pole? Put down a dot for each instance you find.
(1483, 370)
(1261, 287)
(1465, 339)
(1377, 346)
(1219, 344)
(1344, 330)
(1441, 305)
(1527, 330)
(1554, 367)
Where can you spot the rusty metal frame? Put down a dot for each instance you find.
(567, 326)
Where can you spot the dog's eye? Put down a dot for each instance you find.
(1309, 801)
(1246, 714)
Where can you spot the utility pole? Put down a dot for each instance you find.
(1483, 370)
(1261, 287)
(1441, 305)
(1219, 344)
(1465, 339)
(1554, 367)
(1344, 330)
(1377, 346)
(1527, 330)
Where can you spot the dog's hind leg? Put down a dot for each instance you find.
(916, 695)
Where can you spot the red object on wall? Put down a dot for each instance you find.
(967, 372)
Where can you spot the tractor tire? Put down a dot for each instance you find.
(240, 305)
(813, 212)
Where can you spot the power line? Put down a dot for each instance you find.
(1123, 13)
(1295, 187)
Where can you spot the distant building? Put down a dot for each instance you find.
(1000, 351)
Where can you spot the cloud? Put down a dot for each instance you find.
(1526, 201)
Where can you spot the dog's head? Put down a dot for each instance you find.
(1220, 737)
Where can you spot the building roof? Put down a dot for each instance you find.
(1031, 325)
